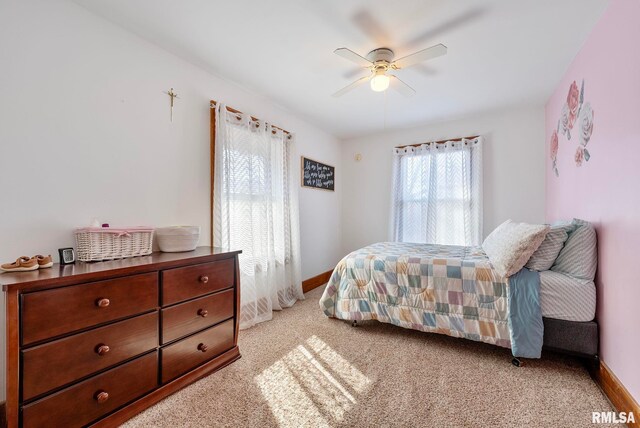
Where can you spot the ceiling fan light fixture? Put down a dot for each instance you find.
(380, 82)
(380, 61)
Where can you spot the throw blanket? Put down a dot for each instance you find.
(443, 289)
(525, 315)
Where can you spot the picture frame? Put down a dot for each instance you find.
(317, 175)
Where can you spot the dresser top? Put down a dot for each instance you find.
(61, 275)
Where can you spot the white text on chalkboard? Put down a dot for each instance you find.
(317, 175)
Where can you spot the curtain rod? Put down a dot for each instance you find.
(438, 142)
(213, 103)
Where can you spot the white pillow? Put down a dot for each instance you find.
(511, 244)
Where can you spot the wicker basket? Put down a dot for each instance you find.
(106, 243)
(176, 239)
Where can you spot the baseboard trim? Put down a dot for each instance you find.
(3, 414)
(316, 281)
(617, 394)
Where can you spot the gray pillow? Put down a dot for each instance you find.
(579, 256)
(548, 251)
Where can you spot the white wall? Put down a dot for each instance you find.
(513, 171)
(85, 132)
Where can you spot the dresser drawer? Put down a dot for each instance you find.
(188, 353)
(51, 313)
(60, 362)
(193, 281)
(89, 400)
(186, 318)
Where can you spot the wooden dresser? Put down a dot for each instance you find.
(97, 343)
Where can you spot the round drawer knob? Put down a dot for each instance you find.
(103, 303)
(203, 279)
(102, 349)
(101, 396)
(202, 347)
(203, 312)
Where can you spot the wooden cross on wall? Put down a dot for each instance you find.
(173, 96)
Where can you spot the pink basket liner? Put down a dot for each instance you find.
(118, 230)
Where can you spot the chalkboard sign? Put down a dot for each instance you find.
(317, 175)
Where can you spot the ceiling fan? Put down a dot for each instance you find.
(380, 62)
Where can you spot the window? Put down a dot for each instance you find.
(437, 193)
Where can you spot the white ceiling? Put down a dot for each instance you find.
(501, 52)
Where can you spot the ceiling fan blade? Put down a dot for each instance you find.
(446, 27)
(352, 56)
(401, 87)
(352, 86)
(424, 69)
(370, 27)
(354, 72)
(423, 55)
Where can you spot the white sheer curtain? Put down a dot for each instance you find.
(256, 211)
(437, 193)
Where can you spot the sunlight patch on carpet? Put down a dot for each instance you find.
(347, 372)
(312, 385)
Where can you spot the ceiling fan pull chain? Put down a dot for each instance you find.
(384, 123)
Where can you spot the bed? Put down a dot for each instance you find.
(568, 309)
(457, 291)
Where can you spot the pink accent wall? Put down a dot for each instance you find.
(606, 189)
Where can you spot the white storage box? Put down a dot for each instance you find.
(108, 243)
(176, 239)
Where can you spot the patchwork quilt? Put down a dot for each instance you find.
(443, 289)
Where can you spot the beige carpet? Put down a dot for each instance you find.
(302, 369)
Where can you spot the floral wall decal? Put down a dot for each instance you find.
(575, 113)
(574, 99)
(554, 151)
(585, 123)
